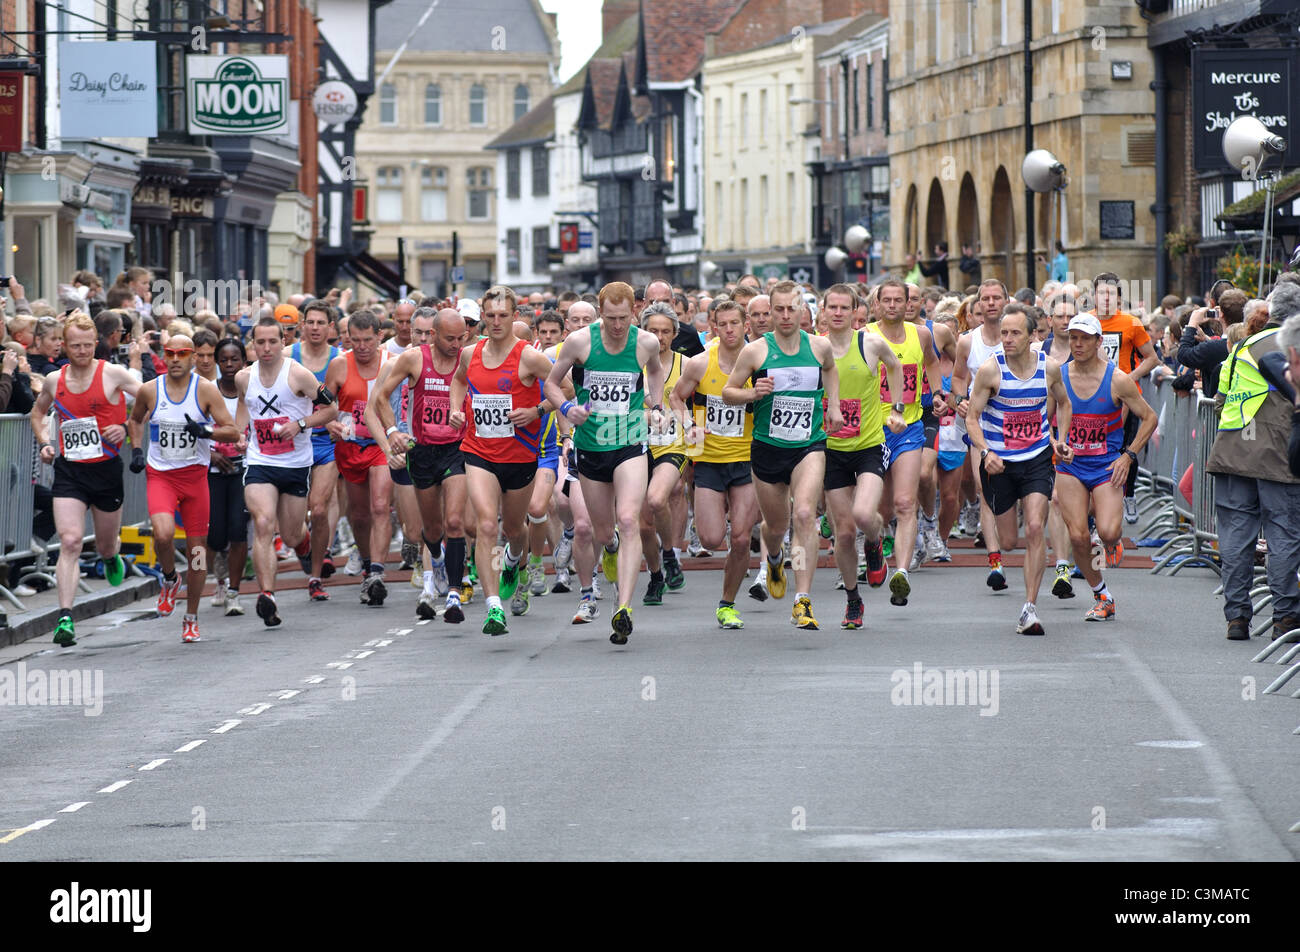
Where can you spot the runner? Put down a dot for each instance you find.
(1061, 309)
(89, 398)
(855, 466)
(667, 461)
(930, 545)
(951, 450)
(228, 522)
(315, 353)
(361, 462)
(791, 372)
(431, 452)
(718, 440)
(614, 364)
(1007, 419)
(549, 331)
(902, 456)
(1096, 462)
(282, 399)
(758, 321)
(502, 375)
(185, 413)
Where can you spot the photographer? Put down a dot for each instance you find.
(1202, 345)
(109, 327)
(15, 382)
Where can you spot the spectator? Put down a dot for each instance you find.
(1289, 341)
(970, 265)
(23, 329)
(937, 269)
(1059, 267)
(139, 282)
(46, 353)
(1254, 486)
(109, 326)
(87, 286)
(15, 383)
(1202, 346)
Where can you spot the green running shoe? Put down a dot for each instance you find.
(509, 582)
(115, 570)
(495, 623)
(654, 593)
(673, 574)
(65, 634)
(728, 617)
(826, 529)
(888, 547)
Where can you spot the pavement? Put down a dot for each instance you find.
(357, 733)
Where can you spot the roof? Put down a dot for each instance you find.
(673, 33)
(603, 77)
(1249, 211)
(466, 26)
(618, 40)
(536, 125)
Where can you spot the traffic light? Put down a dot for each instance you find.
(858, 268)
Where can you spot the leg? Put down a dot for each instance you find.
(1060, 535)
(197, 573)
(164, 540)
(774, 506)
(629, 486)
(360, 516)
(319, 500)
(927, 485)
(262, 501)
(949, 499)
(380, 501)
(743, 503)
(1073, 499)
(485, 496)
(805, 483)
(514, 521)
(1035, 544)
(905, 469)
(1237, 519)
(1280, 502)
(584, 550)
(839, 503)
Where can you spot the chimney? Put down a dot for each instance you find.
(614, 12)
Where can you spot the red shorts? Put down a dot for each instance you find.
(183, 490)
(355, 462)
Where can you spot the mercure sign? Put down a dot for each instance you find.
(238, 95)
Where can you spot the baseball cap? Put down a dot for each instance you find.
(286, 314)
(469, 310)
(1086, 323)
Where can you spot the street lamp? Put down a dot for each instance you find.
(1043, 172)
(1247, 145)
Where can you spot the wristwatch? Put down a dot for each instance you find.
(302, 424)
(984, 452)
(899, 407)
(1131, 455)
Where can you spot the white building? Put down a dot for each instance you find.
(524, 199)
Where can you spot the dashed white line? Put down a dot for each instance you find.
(360, 654)
(155, 764)
(227, 726)
(114, 787)
(258, 708)
(339, 665)
(186, 748)
(285, 695)
(38, 825)
(74, 807)
(313, 680)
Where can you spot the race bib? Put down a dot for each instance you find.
(435, 412)
(1110, 346)
(1021, 429)
(492, 416)
(610, 392)
(174, 444)
(909, 385)
(851, 410)
(791, 418)
(267, 441)
(670, 434)
(81, 440)
(1088, 434)
(721, 419)
(359, 428)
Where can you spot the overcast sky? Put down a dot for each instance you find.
(579, 25)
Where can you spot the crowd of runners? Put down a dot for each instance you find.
(497, 436)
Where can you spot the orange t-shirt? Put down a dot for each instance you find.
(1122, 335)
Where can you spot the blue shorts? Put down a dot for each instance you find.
(896, 444)
(1089, 470)
(322, 448)
(951, 459)
(551, 462)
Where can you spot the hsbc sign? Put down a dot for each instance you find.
(334, 102)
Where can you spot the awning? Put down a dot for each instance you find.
(105, 234)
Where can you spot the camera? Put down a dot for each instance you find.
(5, 279)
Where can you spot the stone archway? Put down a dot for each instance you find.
(1002, 230)
(968, 214)
(910, 235)
(936, 218)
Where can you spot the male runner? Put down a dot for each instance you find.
(855, 466)
(614, 364)
(315, 353)
(185, 413)
(1061, 309)
(791, 372)
(667, 461)
(758, 321)
(281, 399)
(228, 520)
(930, 546)
(1097, 460)
(1007, 419)
(89, 397)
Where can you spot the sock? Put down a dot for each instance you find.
(65, 613)
(588, 593)
(724, 604)
(852, 593)
(568, 533)
(373, 568)
(799, 595)
(995, 560)
(170, 576)
(1062, 564)
(512, 560)
(657, 576)
(494, 601)
(312, 579)
(677, 553)
(534, 560)
(428, 582)
(435, 548)
(1101, 589)
(456, 558)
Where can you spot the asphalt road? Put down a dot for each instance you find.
(355, 733)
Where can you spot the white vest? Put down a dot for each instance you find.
(170, 447)
(269, 407)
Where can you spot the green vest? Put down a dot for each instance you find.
(613, 388)
(1242, 384)
(791, 415)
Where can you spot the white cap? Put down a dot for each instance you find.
(469, 310)
(1086, 323)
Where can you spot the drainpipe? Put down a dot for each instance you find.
(1161, 207)
(1031, 277)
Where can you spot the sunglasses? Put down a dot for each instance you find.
(178, 351)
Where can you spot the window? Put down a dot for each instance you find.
(521, 101)
(936, 37)
(744, 120)
(762, 116)
(388, 181)
(541, 170)
(477, 105)
(857, 112)
(966, 37)
(715, 213)
(763, 208)
(433, 105)
(388, 105)
(871, 97)
(478, 199)
(884, 91)
(789, 204)
(512, 173)
(541, 247)
(744, 212)
(433, 194)
(792, 117)
(717, 124)
(512, 251)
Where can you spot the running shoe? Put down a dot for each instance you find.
(410, 555)
(466, 592)
(65, 634)
(758, 591)
(1103, 609)
(167, 596)
(621, 624)
(595, 587)
(935, 549)
(495, 623)
(728, 617)
(440, 584)
(373, 589)
(694, 547)
(899, 588)
(452, 612)
(562, 582)
(425, 609)
(609, 560)
(918, 557)
(304, 562)
(115, 570)
(509, 581)
(876, 568)
(997, 580)
(536, 577)
(344, 531)
(1029, 623)
(219, 596)
(674, 577)
(801, 615)
(853, 614)
(519, 602)
(1131, 510)
(233, 607)
(563, 553)
(970, 520)
(785, 554)
(1114, 555)
(190, 630)
(839, 581)
(326, 566)
(354, 564)
(826, 529)
(473, 567)
(317, 591)
(266, 610)
(887, 546)
(776, 580)
(1062, 588)
(587, 612)
(654, 593)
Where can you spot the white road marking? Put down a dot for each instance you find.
(358, 655)
(227, 726)
(285, 695)
(1171, 744)
(258, 708)
(402, 631)
(74, 807)
(384, 643)
(38, 825)
(114, 787)
(186, 748)
(313, 680)
(340, 665)
(155, 764)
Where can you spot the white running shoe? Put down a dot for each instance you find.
(694, 547)
(232, 604)
(970, 520)
(219, 596)
(595, 586)
(918, 556)
(536, 578)
(354, 564)
(1131, 510)
(1029, 623)
(346, 538)
(587, 612)
(935, 550)
(440, 584)
(563, 553)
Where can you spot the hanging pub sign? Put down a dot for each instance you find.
(11, 112)
(1228, 84)
(238, 95)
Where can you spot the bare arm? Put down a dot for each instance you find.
(736, 391)
(961, 380)
(575, 349)
(981, 390)
(1058, 402)
(459, 387)
(833, 419)
(379, 410)
(1149, 361)
(884, 354)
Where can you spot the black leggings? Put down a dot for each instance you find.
(229, 519)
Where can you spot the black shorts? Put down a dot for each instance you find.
(843, 467)
(775, 464)
(96, 484)
(1019, 479)
(676, 460)
(722, 476)
(930, 423)
(510, 476)
(288, 480)
(430, 463)
(600, 466)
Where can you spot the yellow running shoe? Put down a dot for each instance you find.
(466, 592)
(775, 579)
(609, 560)
(801, 615)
